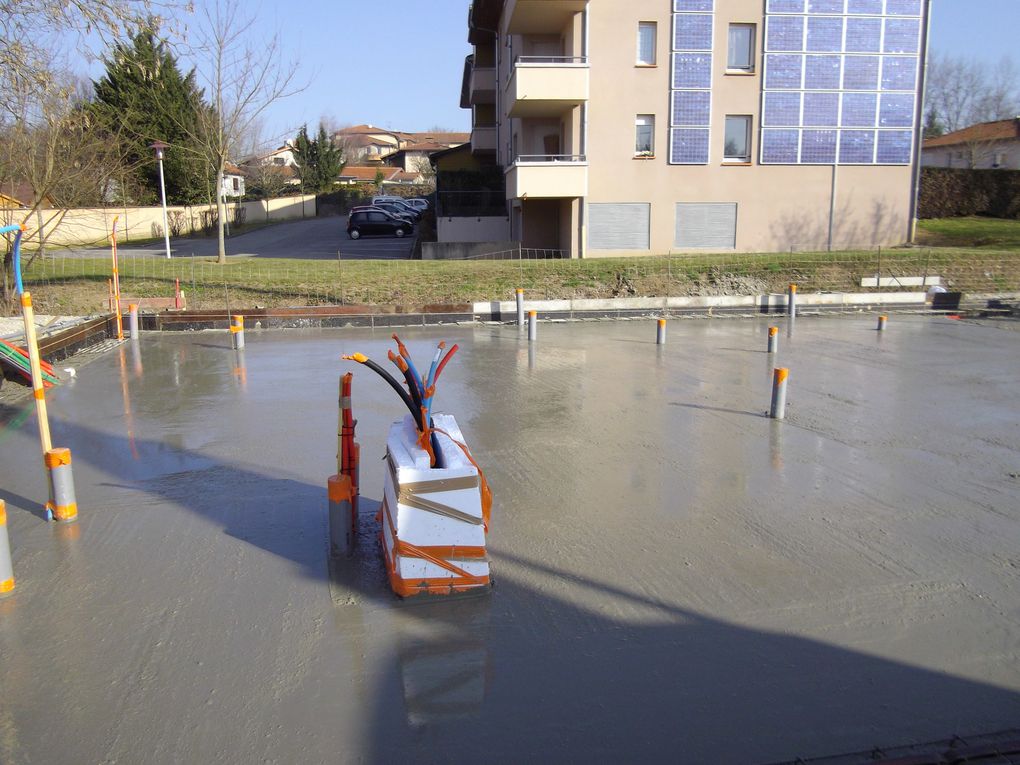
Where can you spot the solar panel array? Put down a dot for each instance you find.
(691, 96)
(840, 81)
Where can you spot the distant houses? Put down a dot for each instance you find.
(985, 146)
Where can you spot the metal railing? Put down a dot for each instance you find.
(553, 60)
(563, 158)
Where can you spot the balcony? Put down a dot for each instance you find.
(547, 176)
(540, 16)
(482, 86)
(547, 85)
(483, 139)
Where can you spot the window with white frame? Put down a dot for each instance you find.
(644, 135)
(738, 138)
(740, 57)
(646, 34)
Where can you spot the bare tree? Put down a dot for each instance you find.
(964, 91)
(243, 78)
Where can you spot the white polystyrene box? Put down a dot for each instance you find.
(422, 527)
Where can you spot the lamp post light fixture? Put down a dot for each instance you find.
(158, 148)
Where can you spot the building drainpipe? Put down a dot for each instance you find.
(919, 117)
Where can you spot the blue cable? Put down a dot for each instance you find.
(17, 255)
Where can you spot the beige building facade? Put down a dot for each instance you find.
(654, 126)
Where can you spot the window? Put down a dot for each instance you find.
(644, 135)
(741, 53)
(738, 139)
(999, 159)
(646, 33)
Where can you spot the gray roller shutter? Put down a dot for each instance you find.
(618, 226)
(706, 225)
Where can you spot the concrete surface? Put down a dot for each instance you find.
(678, 578)
(311, 239)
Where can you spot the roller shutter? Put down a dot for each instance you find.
(706, 226)
(618, 226)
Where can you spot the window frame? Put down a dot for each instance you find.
(745, 158)
(654, 26)
(638, 124)
(752, 51)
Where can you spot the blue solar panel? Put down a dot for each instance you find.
(857, 147)
(689, 146)
(899, 72)
(693, 32)
(825, 34)
(779, 147)
(864, 7)
(692, 107)
(785, 6)
(825, 6)
(821, 109)
(863, 35)
(860, 73)
(822, 72)
(894, 147)
(859, 109)
(903, 7)
(785, 33)
(693, 5)
(782, 110)
(692, 70)
(818, 146)
(896, 110)
(783, 72)
(902, 35)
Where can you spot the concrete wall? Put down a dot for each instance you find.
(480, 229)
(463, 250)
(90, 226)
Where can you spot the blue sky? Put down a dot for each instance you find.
(398, 63)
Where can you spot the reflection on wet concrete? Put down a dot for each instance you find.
(668, 578)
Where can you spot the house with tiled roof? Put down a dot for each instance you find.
(985, 146)
(383, 174)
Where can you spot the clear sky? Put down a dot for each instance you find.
(398, 63)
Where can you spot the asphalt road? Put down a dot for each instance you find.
(313, 239)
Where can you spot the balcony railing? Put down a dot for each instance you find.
(575, 158)
(551, 60)
(547, 176)
(546, 86)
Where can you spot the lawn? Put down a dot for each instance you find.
(972, 231)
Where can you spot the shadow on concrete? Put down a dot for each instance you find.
(724, 410)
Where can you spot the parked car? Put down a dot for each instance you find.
(400, 210)
(386, 198)
(372, 221)
(388, 210)
(404, 206)
(421, 204)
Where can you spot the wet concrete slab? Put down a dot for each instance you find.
(678, 578)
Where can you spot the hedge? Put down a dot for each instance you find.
(947, 193)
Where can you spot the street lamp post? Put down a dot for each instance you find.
(158, 148)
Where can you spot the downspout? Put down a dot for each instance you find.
(919, 121)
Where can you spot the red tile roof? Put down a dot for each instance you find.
(1002, 130)
(369, 173)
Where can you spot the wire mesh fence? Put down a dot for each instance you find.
(69, 282)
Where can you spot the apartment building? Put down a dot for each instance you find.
(652, 126)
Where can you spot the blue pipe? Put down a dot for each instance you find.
(432, 381)
(17, 254)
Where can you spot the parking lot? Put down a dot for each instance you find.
(313, 239)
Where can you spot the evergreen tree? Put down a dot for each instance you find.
(320, 161)
(147, 96)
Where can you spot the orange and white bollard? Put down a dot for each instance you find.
(881, 323)
(133, 320)
(520, 307)
(773, 339)
(63, 505)
(6, 567)
(237, 332)
(791, 301)
(660, 332)
(532, 326)
(778, 410)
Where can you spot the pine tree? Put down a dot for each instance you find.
(319, 160)
(145, 93)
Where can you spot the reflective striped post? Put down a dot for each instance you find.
(660, 332)
(237, 332)
(778, 410)
(791, 301)
(6, 567)
(532, 326)
(773, 339)
(881, 323)
(520, 307)
(63, 505)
